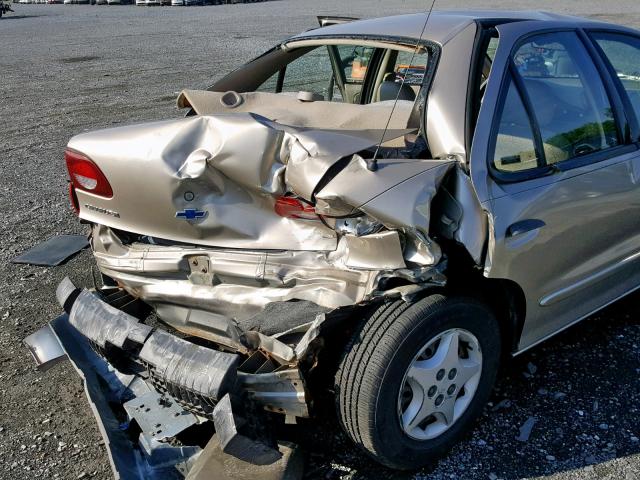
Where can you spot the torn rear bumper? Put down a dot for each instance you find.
(148, 388)
(219, 294)
(196, 376)
(152, 456)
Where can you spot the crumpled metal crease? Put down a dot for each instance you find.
(319, 150)
(228, 167)
(378, 251)
(234, 165)
(242, 282)
(406, 206)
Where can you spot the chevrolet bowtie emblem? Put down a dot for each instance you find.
(191, 214)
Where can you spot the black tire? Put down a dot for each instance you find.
(372, 369)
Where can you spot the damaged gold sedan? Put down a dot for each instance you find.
(373, 212)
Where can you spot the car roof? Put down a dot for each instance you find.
(443, 25)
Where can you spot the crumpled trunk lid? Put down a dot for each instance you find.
(214, 180)
(200, 180)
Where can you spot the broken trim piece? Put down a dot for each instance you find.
(155, 461)
(45, 348)
(234, 443)
(279, 392)
(55, 251)
(195, 376)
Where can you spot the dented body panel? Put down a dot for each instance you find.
(564, 238)
(236, 285)
(207, 163)
(190, 159)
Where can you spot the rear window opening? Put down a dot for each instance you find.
(352, 74)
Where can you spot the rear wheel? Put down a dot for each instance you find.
(415, 377)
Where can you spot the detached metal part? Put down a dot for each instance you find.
(45, 348)
(164, 384)
(234, 443)
(151, 457)
(54, 251)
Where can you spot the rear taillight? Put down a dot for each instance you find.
(85, 175)
(290, 207)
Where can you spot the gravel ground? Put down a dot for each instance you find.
(67, 69)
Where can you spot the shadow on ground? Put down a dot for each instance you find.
(581, 387)
(11, 16)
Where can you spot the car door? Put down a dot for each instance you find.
(554, 165)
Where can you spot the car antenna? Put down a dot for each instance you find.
(372, 164)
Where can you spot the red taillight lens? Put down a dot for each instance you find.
(290, 207)
(85, 175)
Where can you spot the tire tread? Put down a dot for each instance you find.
(371, 349)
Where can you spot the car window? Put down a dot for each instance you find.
(490, 54)
(492, 48)
(314, 72)
(399, 66)
(569, 101)
(271, 85)
(338, 73)
(410, 66)
(486, 62)
(623, 53)
(515, 147)
(354, 60)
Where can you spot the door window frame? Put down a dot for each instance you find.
(510, 73)
(632, 118)
(483, 37)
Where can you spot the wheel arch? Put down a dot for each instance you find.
(504, 297)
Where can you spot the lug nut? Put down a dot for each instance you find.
(432, 391)
(452, 373)
(439, 400)
(440, 375)
(451, 389)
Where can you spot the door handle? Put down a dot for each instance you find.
(524, 226)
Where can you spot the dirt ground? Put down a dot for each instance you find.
(65, 69)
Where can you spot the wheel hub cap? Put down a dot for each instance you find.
(439, 384)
